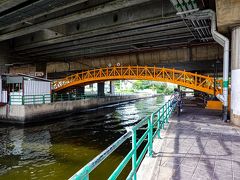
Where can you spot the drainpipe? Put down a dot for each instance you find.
(223, 41)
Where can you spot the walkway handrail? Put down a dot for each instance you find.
(29, 99)
(190, 80)
(50, 98)
(155, 123)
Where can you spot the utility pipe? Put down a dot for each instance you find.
(223, 41)
(219, 38)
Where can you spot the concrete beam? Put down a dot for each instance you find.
(7, 4)
(88, 33)
(130, 32)
(124, 47)
(101, 9)
(173, 55)
(112, 39)
(41, 14)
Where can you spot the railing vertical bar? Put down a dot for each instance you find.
(150, 134)
(163, 116)
(168, 111)
(134, 157)
(159, 124)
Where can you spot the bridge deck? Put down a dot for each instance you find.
(196, 145)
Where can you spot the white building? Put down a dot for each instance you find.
(24, 89)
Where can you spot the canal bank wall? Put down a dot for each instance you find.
(25, 114)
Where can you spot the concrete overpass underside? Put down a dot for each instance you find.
(67, 36)
(83, 32)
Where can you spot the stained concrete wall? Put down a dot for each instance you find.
(164, 56)
(23, 114)
(228, 15)
(25, 69)
(157, 57)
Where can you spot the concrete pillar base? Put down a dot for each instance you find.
(235, 119)
(112, 88)
(235, 83)
(100, 88)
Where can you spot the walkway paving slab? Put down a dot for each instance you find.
(196, 145)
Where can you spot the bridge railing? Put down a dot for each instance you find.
(155, 122)
(191, 80)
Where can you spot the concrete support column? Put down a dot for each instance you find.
(5, 54)
(112, 88)
(235, 80)
(100, 89)
(80, 90)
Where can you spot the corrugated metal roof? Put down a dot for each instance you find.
(25, 75)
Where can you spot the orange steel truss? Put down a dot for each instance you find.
(190, 80)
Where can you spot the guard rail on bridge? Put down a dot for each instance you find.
(187, 79)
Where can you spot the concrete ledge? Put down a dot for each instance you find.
(23, 114)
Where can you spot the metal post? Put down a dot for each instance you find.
(134, 156)
(168, 111)
(23, 102)
(159, 123)
(163, 116)
(150, 136)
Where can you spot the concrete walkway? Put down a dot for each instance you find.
(196, 145)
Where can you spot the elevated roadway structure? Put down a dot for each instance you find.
(61, 38)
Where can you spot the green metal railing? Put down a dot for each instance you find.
(30, 99)
(155, 122)
(47, 98)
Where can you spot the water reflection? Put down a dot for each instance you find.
(59, 149)
(21, 147)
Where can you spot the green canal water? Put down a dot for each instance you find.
(57, 150)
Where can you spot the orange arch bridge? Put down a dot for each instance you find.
(187, 79)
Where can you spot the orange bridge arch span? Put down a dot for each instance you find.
(187, 79)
